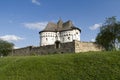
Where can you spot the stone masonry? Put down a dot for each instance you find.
(69, 47)
(86, 46)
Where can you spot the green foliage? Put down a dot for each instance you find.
(5, 47)
(109, 34)
(83, 66)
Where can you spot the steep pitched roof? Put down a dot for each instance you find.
(60, 26)
(50, 27)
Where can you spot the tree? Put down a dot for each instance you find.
(109, 34)
(5, 47)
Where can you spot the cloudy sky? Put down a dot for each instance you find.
(21, 20)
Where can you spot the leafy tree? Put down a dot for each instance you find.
(109, 34)
(5, 47)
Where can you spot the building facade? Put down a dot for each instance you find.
(62, 32)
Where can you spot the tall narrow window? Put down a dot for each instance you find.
(63, 39)
(68, 38)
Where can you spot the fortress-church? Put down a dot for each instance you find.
(62, 32)
(62, 37)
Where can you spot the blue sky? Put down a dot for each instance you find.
(21, 20)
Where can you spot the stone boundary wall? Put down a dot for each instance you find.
(69, 47)
(87, 46)
(30, 50)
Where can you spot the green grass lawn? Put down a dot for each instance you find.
(83, 66)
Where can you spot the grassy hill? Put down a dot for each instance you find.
(83, 66)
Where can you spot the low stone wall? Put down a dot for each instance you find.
(63, 48)
(70, 47)
(87, 46)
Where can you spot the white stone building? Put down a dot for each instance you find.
(59, 33)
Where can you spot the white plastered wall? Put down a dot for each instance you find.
(49, 38)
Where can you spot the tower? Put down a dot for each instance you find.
(62, 32)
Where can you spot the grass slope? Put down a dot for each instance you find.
(83, 66)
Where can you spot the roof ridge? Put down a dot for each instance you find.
(60, 26)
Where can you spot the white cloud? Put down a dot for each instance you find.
(11, 38)
(36, 2)
(92, 40)
(15, 47)
(36, 25)
(95, 26)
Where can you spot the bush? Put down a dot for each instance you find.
(5, 47)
